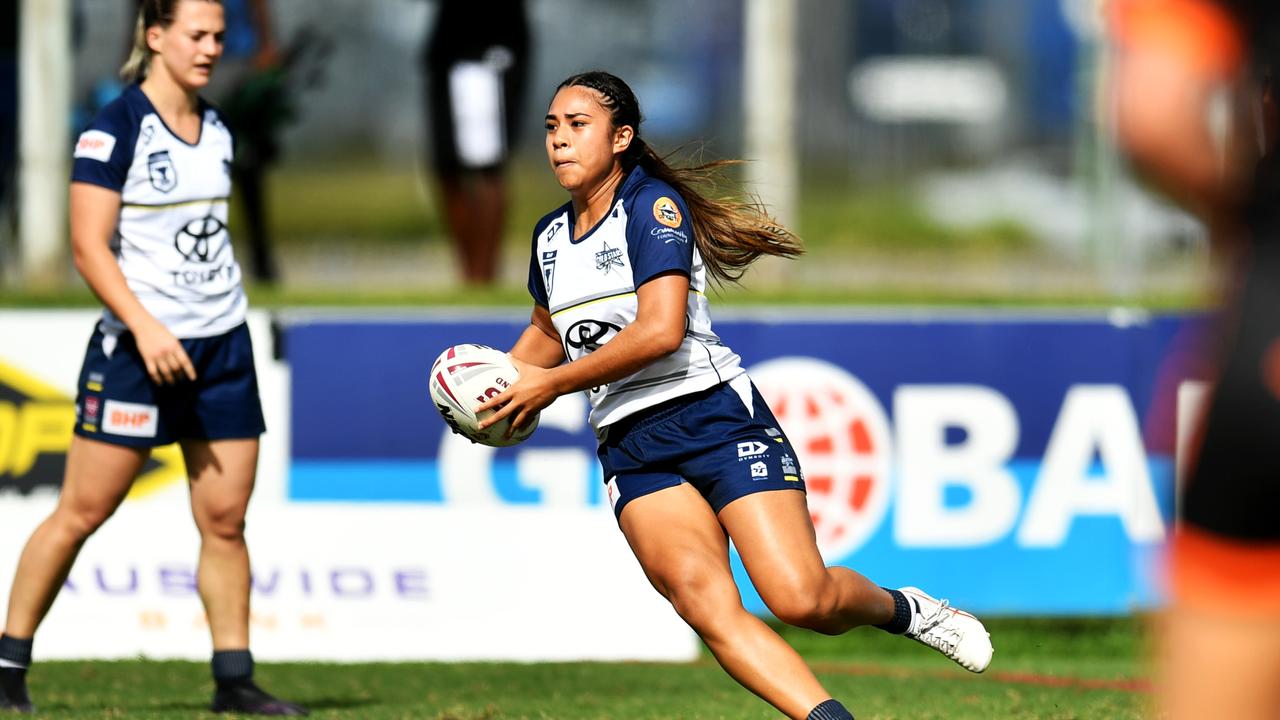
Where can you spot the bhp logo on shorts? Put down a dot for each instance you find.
(841, 433)
(129, 419)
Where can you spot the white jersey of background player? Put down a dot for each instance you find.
(171, 241)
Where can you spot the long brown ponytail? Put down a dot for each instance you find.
(731, 233)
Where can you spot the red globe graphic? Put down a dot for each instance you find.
(841, 433)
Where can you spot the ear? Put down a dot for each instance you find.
(622, 138)
(153, 38)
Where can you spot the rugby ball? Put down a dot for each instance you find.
(465, 376)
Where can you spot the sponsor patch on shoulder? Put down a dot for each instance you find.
(666, 212)
(95, 145)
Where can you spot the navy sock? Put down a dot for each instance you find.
(830, 710)
(901, 621)
(15, 652)
(232, 666)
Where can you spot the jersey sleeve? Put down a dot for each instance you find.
(104, 151)
(659, 233)
(537, 282)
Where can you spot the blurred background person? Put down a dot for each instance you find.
(255, 108)
(8, 104)
(1195, 88)
(171, 359)
(475, 64)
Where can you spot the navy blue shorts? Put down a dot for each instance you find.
(116, 401)
(724, 441)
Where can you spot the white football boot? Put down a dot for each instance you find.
(952, 632)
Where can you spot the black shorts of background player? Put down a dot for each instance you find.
(475, 62)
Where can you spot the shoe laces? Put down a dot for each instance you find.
(934, 631)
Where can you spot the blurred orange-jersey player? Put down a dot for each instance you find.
(1193, 85)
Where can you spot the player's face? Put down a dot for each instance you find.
(191, 47)
(582, 144)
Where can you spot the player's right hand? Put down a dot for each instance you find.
(163, 354)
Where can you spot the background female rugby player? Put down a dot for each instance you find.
(691, 454)
(171, 359)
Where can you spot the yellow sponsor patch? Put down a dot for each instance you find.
(666, 212)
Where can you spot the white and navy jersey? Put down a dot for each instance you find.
(171, 238)
(589, 286)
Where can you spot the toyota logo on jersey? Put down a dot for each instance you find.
(193, 239)
(841, 433)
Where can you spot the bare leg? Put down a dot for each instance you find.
(1219, 665)
(475, 205)
(774, 535)
(685, 554)
(222, 477)
(98, 476)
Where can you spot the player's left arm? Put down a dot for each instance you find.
(657, 331)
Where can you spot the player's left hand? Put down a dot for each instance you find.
(526, 397)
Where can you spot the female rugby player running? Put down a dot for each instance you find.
(171, 359)
(618, 276)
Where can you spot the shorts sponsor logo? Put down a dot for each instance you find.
(666, 212)
(612, 488)
(788, 465)
(842, 438)
(751, 448)
(36, 424)
(759, 470)
(130, 419)
(91, 407)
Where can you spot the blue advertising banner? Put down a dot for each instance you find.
(1013, 463)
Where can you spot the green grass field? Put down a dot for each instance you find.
(1043, 669)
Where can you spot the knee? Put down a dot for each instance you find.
(811, 605)
(225, 523)
(697, 599)
(80, 522)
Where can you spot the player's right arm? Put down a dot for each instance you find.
(539, 344)
(94, 213)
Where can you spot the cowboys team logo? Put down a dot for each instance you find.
(666, 212)
(164, 176)
(193, 239)
(842, 436)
